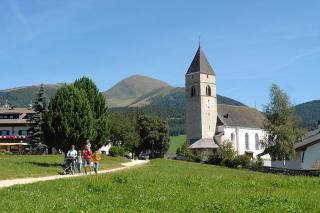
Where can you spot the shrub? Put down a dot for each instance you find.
(242, 160)
(227, 150)
(257, 164)
(228, 163)
(185, 152)
(116, 151)
(215, 159)
(178, 152)
(196, 158)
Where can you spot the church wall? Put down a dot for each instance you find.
(239, 139)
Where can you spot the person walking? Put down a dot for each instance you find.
(87, 157)
(96, 159)
(71, 157)
(79, 161)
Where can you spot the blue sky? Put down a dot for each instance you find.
(250, 44)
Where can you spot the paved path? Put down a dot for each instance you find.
(8, 183)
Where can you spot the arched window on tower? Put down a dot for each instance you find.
(257, 141)
(193, 91)
(208, 91)
(247, 141)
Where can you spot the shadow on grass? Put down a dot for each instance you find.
(46, 164)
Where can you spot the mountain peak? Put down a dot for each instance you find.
(129, 89)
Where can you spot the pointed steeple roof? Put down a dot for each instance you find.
(200, 64)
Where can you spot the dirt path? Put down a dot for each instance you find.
(8, 183)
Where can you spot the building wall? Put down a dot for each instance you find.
(239, 139)
(201, 110)
(311, 158)
(14, 130)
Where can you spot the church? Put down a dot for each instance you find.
(209, 124)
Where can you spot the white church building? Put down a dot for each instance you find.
(209, 124)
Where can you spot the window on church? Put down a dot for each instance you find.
(257, 142)
(247, 141)
(208, 91)
(193, 91)
(232, 138)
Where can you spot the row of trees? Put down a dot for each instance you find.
(78, 112)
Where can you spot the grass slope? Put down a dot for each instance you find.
(168, 186)
(21, 166)
(175, 142)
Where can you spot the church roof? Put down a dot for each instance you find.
(200, 64)
(241, 116)
(204, 143)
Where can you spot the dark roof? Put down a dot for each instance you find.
(240, 116)
(309, 140)
(200, 64)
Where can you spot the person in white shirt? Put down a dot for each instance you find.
(72, 155)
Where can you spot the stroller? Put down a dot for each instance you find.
(69, 166)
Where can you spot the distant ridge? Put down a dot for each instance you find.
(156, 96)
(309, 114)
(22, 96)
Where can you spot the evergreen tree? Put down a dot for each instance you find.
(154, 135)
(99, 109)
(281, 125)
(35, 122)
(69, 120)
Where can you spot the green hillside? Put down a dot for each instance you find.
(22, 96)
(309, 114)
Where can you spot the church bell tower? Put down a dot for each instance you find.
(201, 100)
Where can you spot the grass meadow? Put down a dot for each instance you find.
(176, 142)
(21, 166)
(168, 186)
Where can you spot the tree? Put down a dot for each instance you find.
(69, 120)
(281, 125)
(154, 135)
(35, 122)
(227, 151)
(99, 109)
(123, 132)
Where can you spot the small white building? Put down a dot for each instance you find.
(307, 153)
(105, 149)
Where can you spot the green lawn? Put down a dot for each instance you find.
(168, 186)
(175, 142)
(20, 166)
